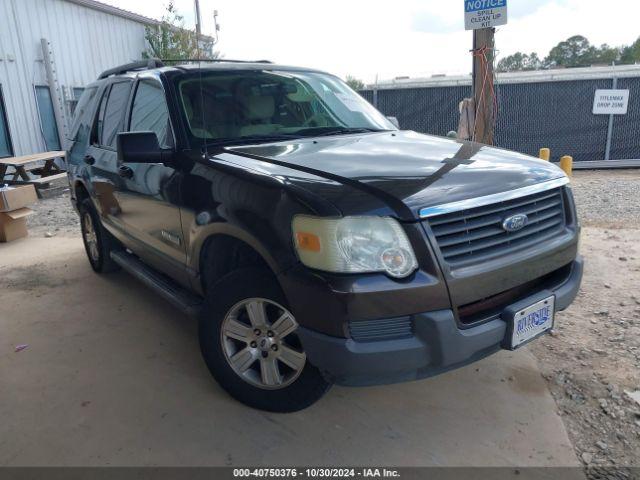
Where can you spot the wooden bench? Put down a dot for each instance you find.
(27, 172)
(48, 178)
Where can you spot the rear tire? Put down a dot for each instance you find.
(98, 242)
(248, 341)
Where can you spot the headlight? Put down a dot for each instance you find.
(354, 245)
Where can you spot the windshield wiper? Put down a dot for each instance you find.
(251, 139)
(311, 132)
(327, 131)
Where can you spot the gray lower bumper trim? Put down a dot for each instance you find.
(437, 345)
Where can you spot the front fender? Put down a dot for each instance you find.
(237, 202)
(198, 237)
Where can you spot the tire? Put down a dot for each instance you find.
(98, 242)
(227, 332)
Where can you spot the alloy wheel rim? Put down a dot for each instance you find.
(90, 237)
(260, 345)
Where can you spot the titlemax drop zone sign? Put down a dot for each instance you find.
(611, 102)
(484, 13)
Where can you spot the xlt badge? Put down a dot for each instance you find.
(171, 237)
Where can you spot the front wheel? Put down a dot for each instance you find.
(248, 340)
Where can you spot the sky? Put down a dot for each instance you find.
(416, 38)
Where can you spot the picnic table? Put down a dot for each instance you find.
(27, 169)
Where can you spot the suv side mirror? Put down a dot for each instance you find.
(141, 147)
(394, 121)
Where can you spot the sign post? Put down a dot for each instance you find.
(610, 102)
(482, 16)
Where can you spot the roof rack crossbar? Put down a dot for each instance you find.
(141, 65)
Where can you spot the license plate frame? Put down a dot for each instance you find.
(526, 323)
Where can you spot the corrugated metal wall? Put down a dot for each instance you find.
(84, 42)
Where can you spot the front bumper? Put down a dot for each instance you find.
(435, 346)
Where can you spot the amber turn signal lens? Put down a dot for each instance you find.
(308, 241)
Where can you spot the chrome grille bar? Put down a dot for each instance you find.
(475, 233)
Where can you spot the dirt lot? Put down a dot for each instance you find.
(591, 362)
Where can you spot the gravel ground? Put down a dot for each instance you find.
(54, 216)
(592, 360)
(608, 198)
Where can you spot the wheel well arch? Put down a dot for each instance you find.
(81, 192)
(222, 253)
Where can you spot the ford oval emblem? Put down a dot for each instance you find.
(515, 222)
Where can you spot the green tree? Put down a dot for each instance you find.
(520, 62)
(171, 40)
(575, 51)
(606, 55)
(631, 53)
(354, 83)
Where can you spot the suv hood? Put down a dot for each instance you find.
(406, 170)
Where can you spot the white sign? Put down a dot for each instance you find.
(611, 102)
(484, 13)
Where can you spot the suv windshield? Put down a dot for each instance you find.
(248, 106)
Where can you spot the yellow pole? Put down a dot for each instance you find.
(566, 164)
(545, 154)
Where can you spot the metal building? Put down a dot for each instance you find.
(50, 49)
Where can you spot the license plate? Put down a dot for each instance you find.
(532, 321)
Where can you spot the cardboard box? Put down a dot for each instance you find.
(108, 203)
(16, 197)
(13, 225)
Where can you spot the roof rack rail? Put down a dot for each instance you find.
(141, 65)
(213, 60)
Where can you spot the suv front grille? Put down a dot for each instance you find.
(475, 235)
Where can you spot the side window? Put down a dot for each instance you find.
(82, 110)
(96, 135)
(150, 112)
(111, 115)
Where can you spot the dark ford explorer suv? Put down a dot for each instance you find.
(317, 242)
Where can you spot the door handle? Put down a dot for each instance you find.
(125, 172)
(89, 160)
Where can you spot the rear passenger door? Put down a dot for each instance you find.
(102, 157)
(149, 196)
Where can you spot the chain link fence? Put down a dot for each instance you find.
(555, 114)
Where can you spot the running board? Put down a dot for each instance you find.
(181, 298)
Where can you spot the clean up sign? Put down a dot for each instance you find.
(484, 13)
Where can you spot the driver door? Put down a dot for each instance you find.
(148, 195)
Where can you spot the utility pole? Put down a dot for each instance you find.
(483, 88)
(198, 20)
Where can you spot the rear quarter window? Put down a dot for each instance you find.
(83, 111)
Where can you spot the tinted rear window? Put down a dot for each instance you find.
(83, 110)
(111, 116)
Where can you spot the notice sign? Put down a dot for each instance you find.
(611, 102)
(484, 13)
